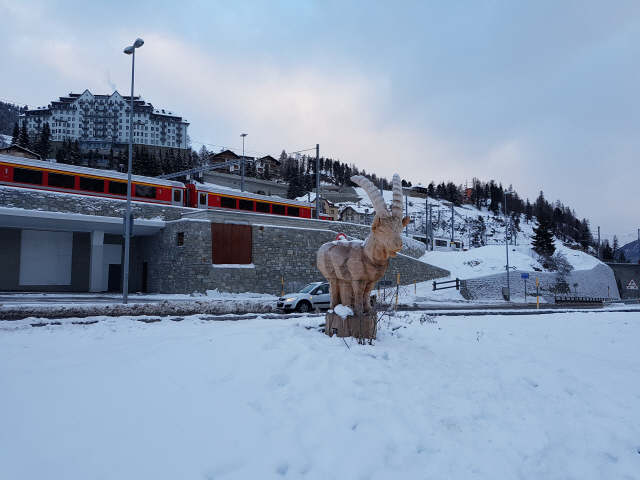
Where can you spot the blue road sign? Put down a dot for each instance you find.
(524, 275)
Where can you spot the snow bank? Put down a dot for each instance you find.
(552, 396)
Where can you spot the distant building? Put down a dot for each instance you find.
(101, 122)
(18, 151)
(357, 214)
(263, 164)
(417, 191)
(331, 209)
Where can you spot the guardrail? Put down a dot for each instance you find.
(577, 299)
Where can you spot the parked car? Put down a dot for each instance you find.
(309, 297)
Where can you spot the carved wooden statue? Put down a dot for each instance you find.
(353, 267)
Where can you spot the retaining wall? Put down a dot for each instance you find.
(597, 282)
(70, 203)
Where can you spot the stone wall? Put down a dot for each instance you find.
(86, 205)
(278, 254)
(250, 184)
(598, 282)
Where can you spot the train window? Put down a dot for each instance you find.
(293, 211)
(92, 184)
(262, 207)
(278, 209)
(203, 199)
(177, 195)
(146, 191)
(26, 175)
(246, 205)
(61, 180)
(117, 188)
(441, 243)
(227, 202)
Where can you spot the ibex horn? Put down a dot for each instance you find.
(374, 194)
(396, 206)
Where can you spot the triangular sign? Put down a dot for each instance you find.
(632, 284)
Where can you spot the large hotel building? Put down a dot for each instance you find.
(101, 122)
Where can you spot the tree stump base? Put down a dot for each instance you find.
(360, 327)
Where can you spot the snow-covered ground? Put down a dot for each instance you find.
(477, 397)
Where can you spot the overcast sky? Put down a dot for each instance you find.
(541, 95)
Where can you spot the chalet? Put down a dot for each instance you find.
(18, 151)
(356, 214)
(418, 190)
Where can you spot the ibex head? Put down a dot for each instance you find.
(387, 225)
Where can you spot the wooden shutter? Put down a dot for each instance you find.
(230, 244)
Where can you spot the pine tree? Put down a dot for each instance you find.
(542, 242)
(528, 211)
(111, 160)
(91, 159)
(23, 140)
(15, 139)
(75, 157)
(137, 167)
(43, 145)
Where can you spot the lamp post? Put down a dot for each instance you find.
(318, 183)
(242, 179)
(127, 219)
(506, 241)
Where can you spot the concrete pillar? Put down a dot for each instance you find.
(95, 270)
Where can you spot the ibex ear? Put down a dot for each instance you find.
(405, 221)
(376, 222)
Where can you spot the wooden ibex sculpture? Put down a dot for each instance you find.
(353, 268)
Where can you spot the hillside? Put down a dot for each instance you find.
(631, 251)
(484, 255)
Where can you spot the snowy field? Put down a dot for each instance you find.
(479, 397)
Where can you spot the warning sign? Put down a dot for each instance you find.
(632, 285)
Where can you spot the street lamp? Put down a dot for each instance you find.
(242, 179)
(128, 223)
(506, 241)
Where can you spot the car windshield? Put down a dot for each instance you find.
(307, 288)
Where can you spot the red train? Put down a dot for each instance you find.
(56, 177)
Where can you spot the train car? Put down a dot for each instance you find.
(211, 196)
(58, 177)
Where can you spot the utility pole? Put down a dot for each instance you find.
(599, 244)
(242, 179)
(406, 212)
(317, 181)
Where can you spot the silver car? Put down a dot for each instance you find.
(309, 297)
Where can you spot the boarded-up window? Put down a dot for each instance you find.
(230, 244)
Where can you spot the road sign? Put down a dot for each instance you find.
(524, 275)
(341, 236)
(632, 285)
